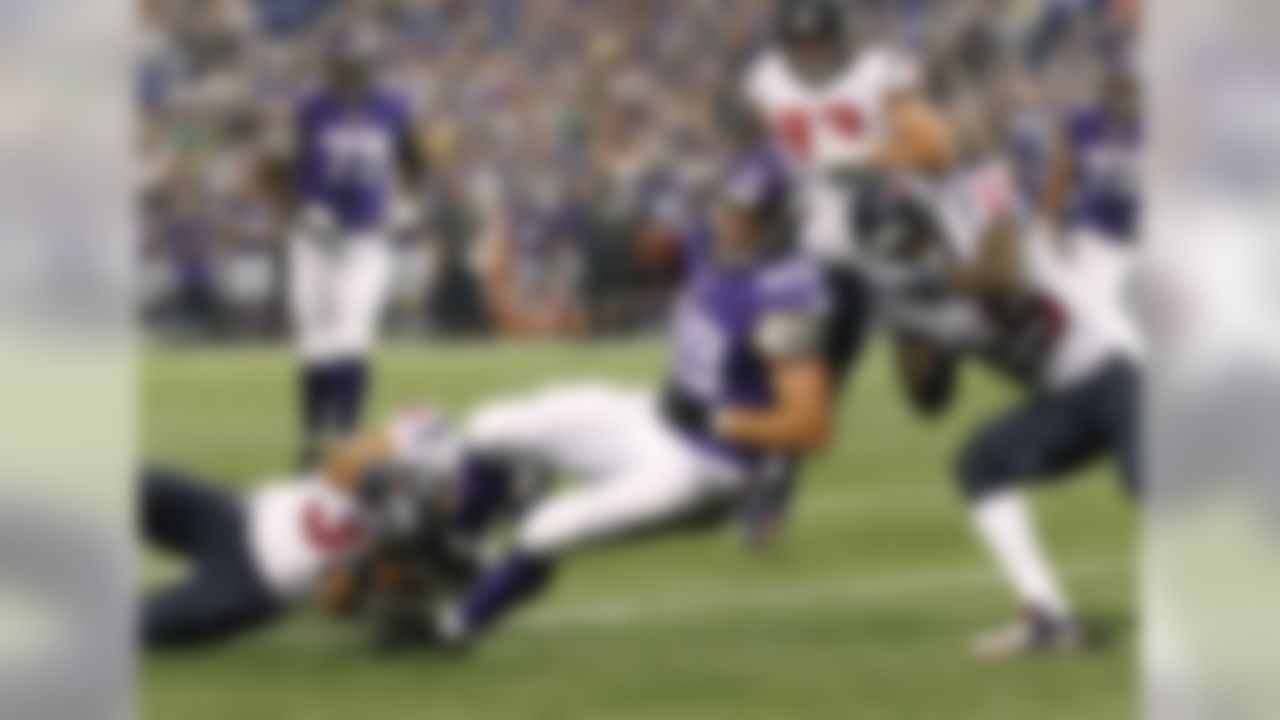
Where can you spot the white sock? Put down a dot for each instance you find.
(1004, 523)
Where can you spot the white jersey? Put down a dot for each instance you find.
(298, 529)
(1055, 333)
(826, 127)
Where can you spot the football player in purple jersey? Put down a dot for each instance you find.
(748, 385)
(352, 156)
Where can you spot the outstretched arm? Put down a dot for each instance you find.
(800, 417)
(345, 467)
(995, 266)
(919, 138)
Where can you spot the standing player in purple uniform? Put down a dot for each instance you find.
(1092, 194)
(352, 153)
(748, 384)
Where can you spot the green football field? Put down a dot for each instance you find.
(863, 611)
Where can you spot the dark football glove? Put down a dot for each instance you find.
(684, 410)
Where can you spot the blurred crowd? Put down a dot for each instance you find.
(558, 131)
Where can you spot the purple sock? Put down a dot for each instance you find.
(485, 489)
(510, 583)
(350, 378)
(314, 386)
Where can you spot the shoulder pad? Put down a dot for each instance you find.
(796, 285)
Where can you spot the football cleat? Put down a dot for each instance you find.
(1034, 632)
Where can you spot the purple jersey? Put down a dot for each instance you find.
(718, 355)
(1106, 195)
(347, 155)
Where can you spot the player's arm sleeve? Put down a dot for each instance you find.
(927, 374)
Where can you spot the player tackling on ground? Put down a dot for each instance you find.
(837, 111)
(748, 383)
(959, 278)
(339, 534)
(352, 154)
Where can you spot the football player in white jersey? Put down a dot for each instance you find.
(959, 278)
(837, 111)
(254, 557)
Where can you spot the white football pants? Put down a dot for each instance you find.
(629, 471)
(337, 294)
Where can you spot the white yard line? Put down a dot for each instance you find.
(641, 610)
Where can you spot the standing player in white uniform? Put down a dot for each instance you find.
(254, 557)
(353, 154)
(959, 277)
(837, 112)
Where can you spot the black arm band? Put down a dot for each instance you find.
(684, 411)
